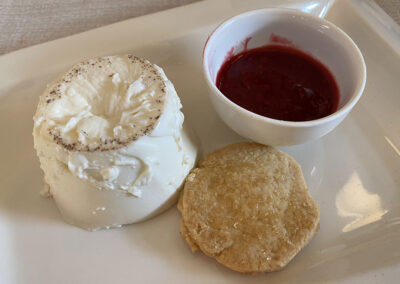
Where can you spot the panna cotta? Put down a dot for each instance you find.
(111, 142)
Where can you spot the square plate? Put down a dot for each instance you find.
(353, 172)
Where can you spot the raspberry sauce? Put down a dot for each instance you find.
(279, 82)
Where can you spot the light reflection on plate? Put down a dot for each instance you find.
(354, 201)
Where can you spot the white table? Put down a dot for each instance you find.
(27, 22)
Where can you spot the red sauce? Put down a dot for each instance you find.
(279, 82)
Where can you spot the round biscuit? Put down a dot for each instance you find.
(247, 206)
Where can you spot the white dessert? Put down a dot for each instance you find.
(110, 141)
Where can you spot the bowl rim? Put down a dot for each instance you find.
(290, 12)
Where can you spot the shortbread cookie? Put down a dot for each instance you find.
(247, 206)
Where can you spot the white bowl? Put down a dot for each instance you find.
(317, 37)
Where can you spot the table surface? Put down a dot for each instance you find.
(28, 22)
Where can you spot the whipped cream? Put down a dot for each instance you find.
(110, 139)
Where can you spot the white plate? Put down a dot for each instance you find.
(353, 172)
